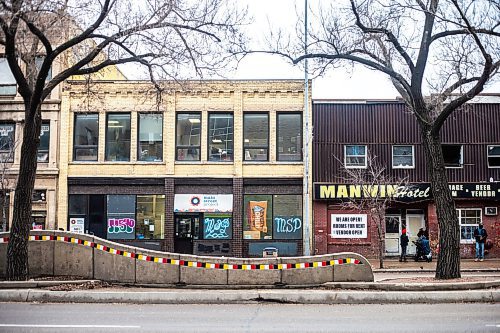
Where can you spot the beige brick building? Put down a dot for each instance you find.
(205, 167)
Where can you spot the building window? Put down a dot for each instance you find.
(121, 220)
(402, 157)
(272, 217)
(188, 137)
(39, 196)
(150, 137)
(469, 220)
(38, 219)
(289, 137)
(494, 156)
(150, 217)
(43, 148)
(118, 137)
(220, 137)
(86, 137)
(256, 136)
(7, 142)
(7, 80)
(39, 63)
(453, 157)
(355, 156)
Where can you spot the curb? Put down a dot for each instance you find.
(428, 270)
(387, 286)
(251, 296)
(40, 284)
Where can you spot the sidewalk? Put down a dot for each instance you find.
(410, 282)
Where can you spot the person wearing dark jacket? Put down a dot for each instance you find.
(480, 235)
(404, 240)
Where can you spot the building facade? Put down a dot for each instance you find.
(209, 168)
(347, 135)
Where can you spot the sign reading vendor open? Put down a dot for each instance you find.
(349, 226)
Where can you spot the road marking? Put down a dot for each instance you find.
(493, 325)
(68, 326)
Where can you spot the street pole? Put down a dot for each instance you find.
(307, 220)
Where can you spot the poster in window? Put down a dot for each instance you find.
(77, 225)
(258, 216)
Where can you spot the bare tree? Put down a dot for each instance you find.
(373, 200)
(439, 54)
(167, 37)
(7, 148)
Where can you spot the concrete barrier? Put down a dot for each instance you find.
(310, 275)
(150, 272)
(257, 276)
(73, 260)
(352, 273)
(109, 266)
(41, 255)
(67, 254)
(199, 275)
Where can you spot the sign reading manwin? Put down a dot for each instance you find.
(401, 192)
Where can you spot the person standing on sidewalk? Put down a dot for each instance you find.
(480, 235)
(404, 240)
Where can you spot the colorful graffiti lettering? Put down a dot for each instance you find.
(217, 228)
(116, 226)
(289, 225)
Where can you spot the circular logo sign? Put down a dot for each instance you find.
(195, 201)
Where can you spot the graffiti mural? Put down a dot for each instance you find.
(217, 227)
(287, 227)
(121, 228)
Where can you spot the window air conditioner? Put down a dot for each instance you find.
(490, 211)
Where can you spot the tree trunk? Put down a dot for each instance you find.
(448, 263)
(17, 250)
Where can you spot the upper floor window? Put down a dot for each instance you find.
(289, 137)
(118, 137)
(256, 136)
(494, 156)
(7, 142)
(43, 148)
(7, 80)
(220, 137)
(38, 63)
(86, 137)
(355, 156)
(150, 137)
(402, 157)
(188, 137)
(469, 220)
(453, 155)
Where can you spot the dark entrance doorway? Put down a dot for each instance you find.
(187, 228)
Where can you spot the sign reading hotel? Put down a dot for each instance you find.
(349, 226)
(410, 192)
(210, 203)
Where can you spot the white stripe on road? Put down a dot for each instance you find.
(493, 326)
(69, 326)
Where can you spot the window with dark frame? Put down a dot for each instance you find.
(256, 136)
(7, 81)
(43, 148)
(494, 156)
(188, 137)
(86, 137)
(289, 141)
(452, 154)
(150, 141)
(7, 142)
(220, 137)
(118, 137)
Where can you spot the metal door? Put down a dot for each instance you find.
(186, 229)
(413, 224)
(392, 232)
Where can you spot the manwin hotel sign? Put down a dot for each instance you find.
(409, 192)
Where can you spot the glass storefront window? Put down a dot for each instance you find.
(289, 137)
(43, 148)
(150, 217)
(118, 137)
(7, 142)
(256, 136)
(150, 137)
(217, 226)
(257, 217)
(121, 217)
(86, 138)
(188, 137)
(220, 137)
(287, 216)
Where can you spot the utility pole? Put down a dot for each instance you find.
(307, 220)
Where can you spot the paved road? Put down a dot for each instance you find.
(113, 318)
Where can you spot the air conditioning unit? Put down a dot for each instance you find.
(490, 211)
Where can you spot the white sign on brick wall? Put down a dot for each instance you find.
(349, 226)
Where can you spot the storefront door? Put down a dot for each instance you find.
(392, 232)
(186, 228)
(413, 223)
